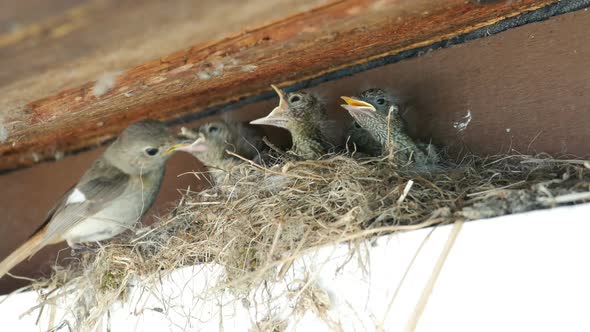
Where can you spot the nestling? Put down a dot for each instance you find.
(111, 196)
(304, 116)
(359, 139)
(379, 114)
(214, 139)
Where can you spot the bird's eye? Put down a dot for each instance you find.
(213, 129)
(381, 101)
(294, 99)
(151, 151)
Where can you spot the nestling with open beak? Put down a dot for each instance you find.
(304, 116)
(214, 139)
(379, 114)
(111, 196)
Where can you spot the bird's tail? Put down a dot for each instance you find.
(26, 250)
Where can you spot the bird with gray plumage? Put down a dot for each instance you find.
(379, 114)
(359, 139)
(213, 141)
(111, 196)
(304, 116)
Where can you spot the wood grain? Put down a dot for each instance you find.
(301, 47)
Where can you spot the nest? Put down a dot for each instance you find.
(261, 218)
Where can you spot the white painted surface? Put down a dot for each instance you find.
(525, 272)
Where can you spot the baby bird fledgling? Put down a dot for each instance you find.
(379, 114)
(214, 139)
(359, 139)
(304, 116)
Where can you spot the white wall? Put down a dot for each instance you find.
(527, 272)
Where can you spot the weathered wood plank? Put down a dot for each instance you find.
(300, 47)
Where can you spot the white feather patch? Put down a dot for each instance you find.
(76, 197)
(105, 83)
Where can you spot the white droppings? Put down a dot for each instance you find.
(218, 71)
(203, 75)
(76, 197)
(105, 83)
(249, 68)
(218, 66)
(462, 125)
(128, 93)
(59, 155)
(508, 130)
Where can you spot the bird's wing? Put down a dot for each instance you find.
(51, 212)
(89, 196)
(96, 190)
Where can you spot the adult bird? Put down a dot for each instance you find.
(304, 116)
(112, 195)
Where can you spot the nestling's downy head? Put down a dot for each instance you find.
(294, 109)
(213, 139)
(143, 147)
(381, 100)
(376, 111)
(371, 103)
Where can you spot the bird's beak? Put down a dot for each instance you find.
(199, 145)
(278, 116)
(192, 146)
(177, 147)
(358, 107)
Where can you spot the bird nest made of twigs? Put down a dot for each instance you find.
(261, 218)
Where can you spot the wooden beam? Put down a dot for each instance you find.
(311, 44)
